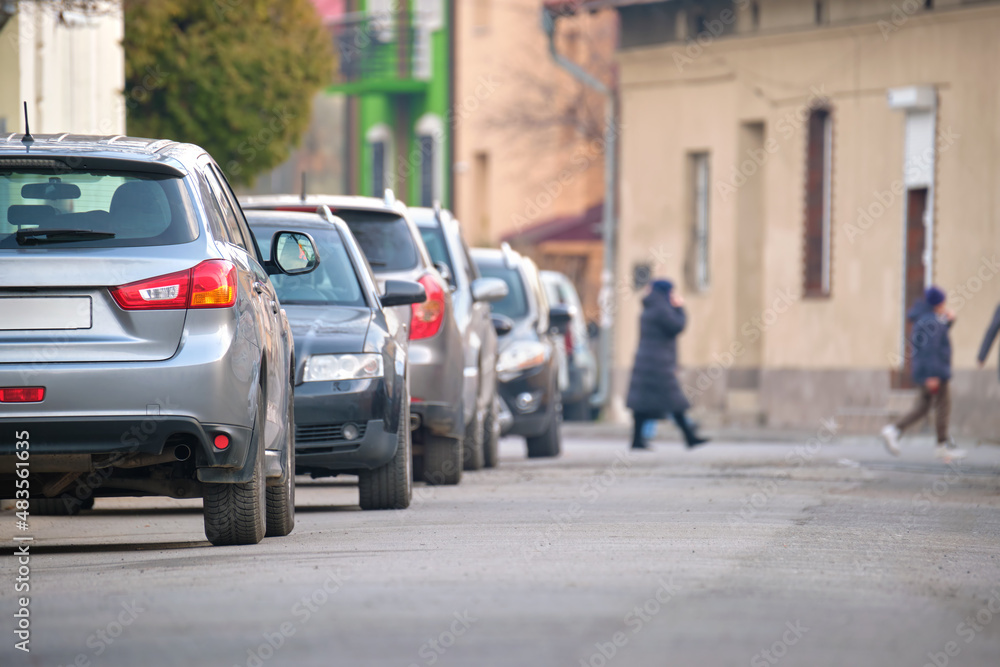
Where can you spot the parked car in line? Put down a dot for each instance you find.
(352, 404)
(471, 295)
(581, 363)
(528, 364)
(395, 251)
(142, 350)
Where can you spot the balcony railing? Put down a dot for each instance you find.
(381, 52)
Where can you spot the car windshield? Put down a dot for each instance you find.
(515, 304)
(384, 238)
(57, 207)
(333, 283)
(436, 247)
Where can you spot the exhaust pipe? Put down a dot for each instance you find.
(169, 455)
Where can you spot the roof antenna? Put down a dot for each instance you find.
(303, 195)
(27, 139)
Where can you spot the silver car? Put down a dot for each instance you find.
(581, 365)
(142, 347)
(395, 251)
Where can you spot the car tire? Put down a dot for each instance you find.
(59, 506)
(442, 465)
(234, 513)
(280, 498)
(472, 444)
(491, 436)
(577, 411)
(549, 443)
(390, 487)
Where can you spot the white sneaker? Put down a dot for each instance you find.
(949, 452)
(890, 436)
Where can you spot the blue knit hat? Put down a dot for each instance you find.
(935, 295)
(662, 286)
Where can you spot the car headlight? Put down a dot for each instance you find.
(331, 367)
(519, 357)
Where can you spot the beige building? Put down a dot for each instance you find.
(529, 157)
(803, 169)
(67, 65)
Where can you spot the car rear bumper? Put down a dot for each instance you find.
(439, 418)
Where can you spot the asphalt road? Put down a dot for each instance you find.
(734, 554)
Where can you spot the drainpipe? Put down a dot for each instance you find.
(608, 232)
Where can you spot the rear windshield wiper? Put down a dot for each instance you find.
(39, 236)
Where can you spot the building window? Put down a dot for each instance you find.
(427, 158)
(819, 168)
(430, 142)
(699, 274)
(380, 153)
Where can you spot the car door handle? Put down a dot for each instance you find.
(258, 287)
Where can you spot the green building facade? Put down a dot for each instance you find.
(394, 61)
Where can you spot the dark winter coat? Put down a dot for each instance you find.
(654, 389)
(991, 333)
(930, 344)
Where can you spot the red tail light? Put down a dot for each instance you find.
(211, 284)
(22, 394)
(569, 341)
(427, 316)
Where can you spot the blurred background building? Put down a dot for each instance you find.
(67, 65)
(804, 169)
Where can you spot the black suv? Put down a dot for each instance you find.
(528, 363)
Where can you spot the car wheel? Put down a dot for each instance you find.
(491, 436)
(472, 444)
(577, 411)
(281, 496)
(68, 506)
(442, 460)
(549, 443)
(234, 513)
(390, 487)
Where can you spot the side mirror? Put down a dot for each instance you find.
(292, 253)
(560, 317)
(445, 272)
(502, 324)
(489, 289)
(402, 293)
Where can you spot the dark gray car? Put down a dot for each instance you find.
(471, 295)
(142, 349)
(394, 248)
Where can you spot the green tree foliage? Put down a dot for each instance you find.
(236, 77)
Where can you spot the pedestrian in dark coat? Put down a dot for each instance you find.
(991, 333)
(654, 391)
(931, 348)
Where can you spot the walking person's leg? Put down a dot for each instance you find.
(945, 449)
(639, 423)
(891, 433)
(691, 438)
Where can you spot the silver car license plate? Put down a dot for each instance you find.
(48, 312)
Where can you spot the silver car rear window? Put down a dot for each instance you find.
(99, 209)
